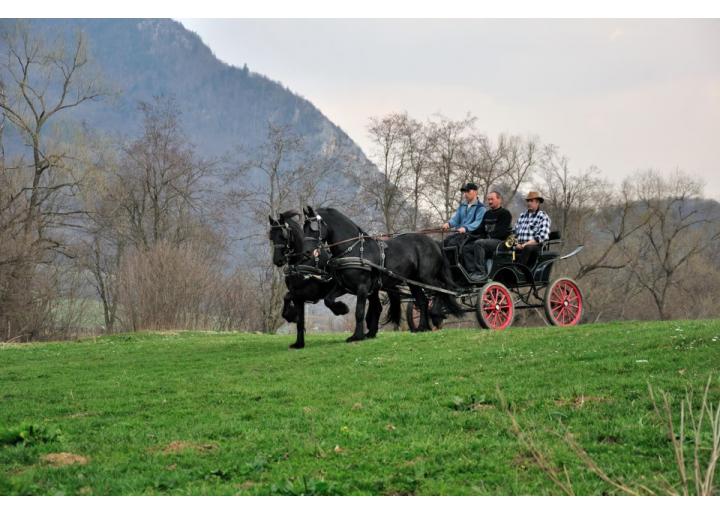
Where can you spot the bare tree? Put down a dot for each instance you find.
(482, 162)
(506, 164)
(40, 79)
(161, 180)
(522, 160)
(149, 191)
(613, 219)
(281, 174)
(448, 137)
(571, 197)
(418, 143)
(679, 228)
(389, 137)
(100, 252)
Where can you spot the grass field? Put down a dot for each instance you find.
(206, 413)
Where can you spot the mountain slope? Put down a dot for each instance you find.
(223, 106)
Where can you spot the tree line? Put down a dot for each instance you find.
(651, 241)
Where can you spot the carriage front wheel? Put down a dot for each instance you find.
(563, 303)
(495, 308)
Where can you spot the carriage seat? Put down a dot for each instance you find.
(545, 253)
(553, 239)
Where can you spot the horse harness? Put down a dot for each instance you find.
(343, 261)
(303, 271)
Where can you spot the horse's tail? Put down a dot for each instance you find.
(445, 300)
(394, 311)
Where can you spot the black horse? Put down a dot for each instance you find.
(411, 256)
(372, 317)
(305, 281)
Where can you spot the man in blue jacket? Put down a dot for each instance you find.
(467, 217)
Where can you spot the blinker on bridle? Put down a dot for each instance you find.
(285, 228)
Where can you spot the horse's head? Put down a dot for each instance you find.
(286, 237)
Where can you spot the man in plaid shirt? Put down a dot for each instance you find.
(532, 229)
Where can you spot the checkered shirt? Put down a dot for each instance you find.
(533, 225)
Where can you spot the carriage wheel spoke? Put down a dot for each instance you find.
(493, 319)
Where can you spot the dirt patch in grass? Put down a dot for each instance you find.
(413, 462)
(63, 459)
(481, 406)
(79, 415)
(577, 402)
(181, 446)
(248, 484)
(523, 460)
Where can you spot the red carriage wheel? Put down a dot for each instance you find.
(495, 308)
(563, 303)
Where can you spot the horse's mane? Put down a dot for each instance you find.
(289, 214)
(336, 212)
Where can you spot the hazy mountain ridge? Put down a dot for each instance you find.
(223, 106)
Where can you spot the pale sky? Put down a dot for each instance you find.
(619, 94)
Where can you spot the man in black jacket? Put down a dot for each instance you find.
(495, 227)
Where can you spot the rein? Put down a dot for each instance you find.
(389, 235)
(359, 239)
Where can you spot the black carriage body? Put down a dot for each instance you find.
(528, 283)
(506, 270)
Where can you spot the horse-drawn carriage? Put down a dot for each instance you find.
(512, 285)
(331, 256)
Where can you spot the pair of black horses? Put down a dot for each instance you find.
(321, 267)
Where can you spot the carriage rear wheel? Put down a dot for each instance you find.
(412, 314)
(495, 308)
(563, 303)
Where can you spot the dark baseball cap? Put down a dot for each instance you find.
(468, 187)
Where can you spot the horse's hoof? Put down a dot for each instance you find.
(352, 339)
(371, 335)
(339, 309)
(296, 346)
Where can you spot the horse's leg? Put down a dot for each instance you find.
(362, 294)
(337, 308)
(289, 313)
(300, 339)
(331, 297)
(330, 300)
(422, 303)
(373, 315)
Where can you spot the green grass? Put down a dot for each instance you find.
(402, 414)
